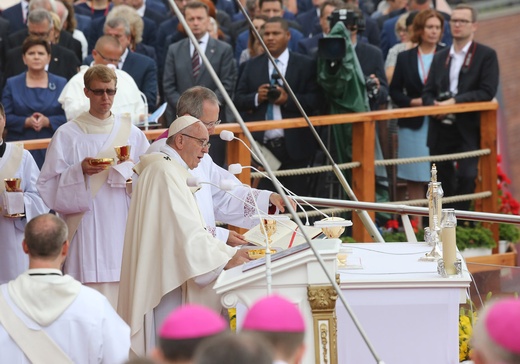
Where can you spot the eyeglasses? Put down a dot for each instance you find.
(211, 123)
(40, 34)
(203, 142)
(112, 60)
(460, 21)
(100, 92)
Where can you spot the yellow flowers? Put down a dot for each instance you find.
(467, 319)
(232, 312)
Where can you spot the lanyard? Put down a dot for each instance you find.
(468, 59)
(424, 72)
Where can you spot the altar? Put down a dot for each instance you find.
(408, 311)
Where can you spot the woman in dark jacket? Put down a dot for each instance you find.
(410, 75)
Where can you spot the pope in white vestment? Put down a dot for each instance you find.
(166, 244)
(235, 207)
(16, 162)
(78, 319)
(97, 246)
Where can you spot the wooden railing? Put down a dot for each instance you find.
(363, 178)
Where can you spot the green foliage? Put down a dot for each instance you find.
(474, 237)
(400, 236)
(347, 239)
(467, 237)
(509, 232)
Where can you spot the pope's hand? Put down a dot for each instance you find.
(239, 258)
(235, 239)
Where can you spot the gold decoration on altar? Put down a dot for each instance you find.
(322, 300)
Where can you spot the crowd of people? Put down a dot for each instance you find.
(133, 229)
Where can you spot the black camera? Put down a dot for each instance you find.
(446, 95)
(273, 93)
(372, 87)
(352, 20)
(449, 119)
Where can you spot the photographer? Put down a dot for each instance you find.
(370, 57)
(261, 96)
(353, 78)
(465, 72)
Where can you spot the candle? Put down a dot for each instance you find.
(449, 241)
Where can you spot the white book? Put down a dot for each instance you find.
(287, 235)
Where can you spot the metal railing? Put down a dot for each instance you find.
(363, 131)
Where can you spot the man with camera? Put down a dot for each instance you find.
(370, 58)
(465, 72)
(261, 96)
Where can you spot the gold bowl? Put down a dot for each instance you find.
(106, 162)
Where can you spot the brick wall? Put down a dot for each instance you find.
(502, 33)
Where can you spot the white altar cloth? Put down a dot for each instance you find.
(407, 310)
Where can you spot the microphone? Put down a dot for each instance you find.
(228, 136)
(193, 182)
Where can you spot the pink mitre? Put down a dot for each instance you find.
(190, 322)
(503, 324)
(274, 314)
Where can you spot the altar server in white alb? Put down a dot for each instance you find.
(128, 98)
(16, 162)
(48, 317)
(92, 198)
(235, 207)
(167, 248)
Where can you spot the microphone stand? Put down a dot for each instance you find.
(367, 222)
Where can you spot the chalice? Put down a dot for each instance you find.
(333, 226)
(123, 154)
(13, 185)
(268, 227)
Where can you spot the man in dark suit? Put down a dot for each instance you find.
(63, 61)
(144, 10)
(255, 99)
(143, 69)
(270, 8)
(465, 72)
(66, 40)
(149, 31)
(310, 20)
(16, 15)
(309, 46)
(184, 69)
(4, 29)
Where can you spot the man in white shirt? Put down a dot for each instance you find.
(93, 198)
(128, 99)
(183, 68)
(46, 316)
(466, 72)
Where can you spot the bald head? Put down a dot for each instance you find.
(45, 236)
